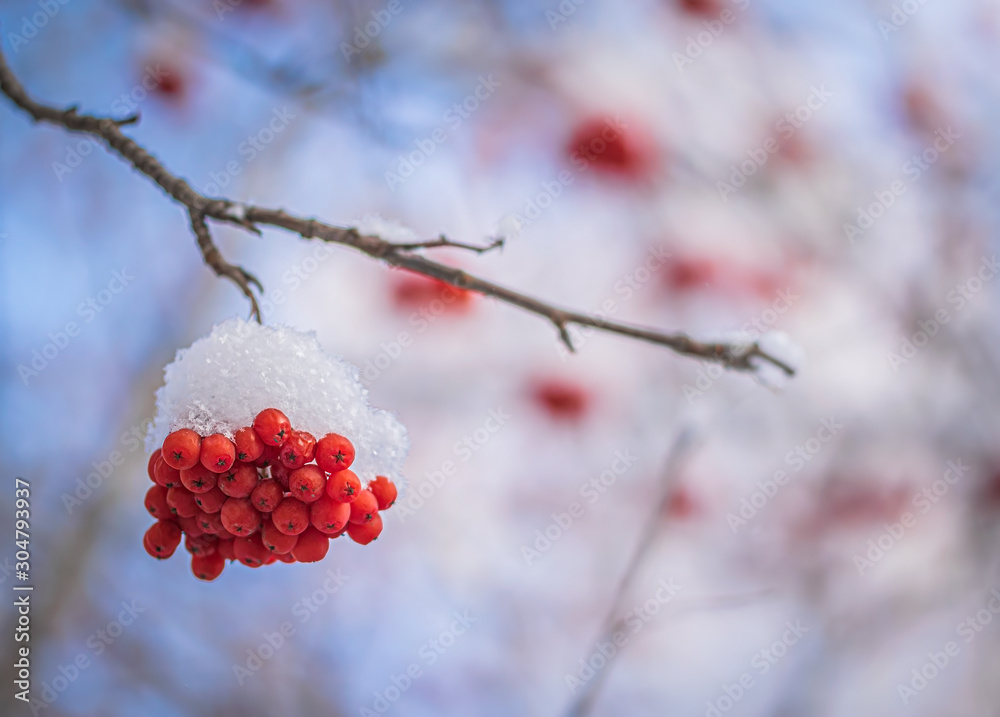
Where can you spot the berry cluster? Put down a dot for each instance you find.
(272, 494)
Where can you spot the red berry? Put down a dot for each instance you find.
(208, 567)
(384, 491)
(311, 546)
(284, 557)
(344, 486)
(217, 453)
(276, 541)
(181, 502)
(266, 496)
(224, 548)
(198, 479)
(181, 448)
(250, 550)
(272, 426)
(299, 449)
(270, 456)
(249, 447)
(211, 524)
(365, 533)
(200, 545)
(239, 517)
(189, 525)
(239, 481)
(156, 502)
(152, 463)
(307, 483)
(328, 516)
(562, 400)
(291, 516)
(334, 453)
(280, 474)
(162, 539)
(165, 475)
(365, 508)
(212, 501)
(612, 149)
(415, 291)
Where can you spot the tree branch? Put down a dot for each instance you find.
(733, 355)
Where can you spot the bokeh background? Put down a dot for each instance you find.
(858, 503)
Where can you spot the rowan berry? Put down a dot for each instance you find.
(152, 464)
(250, 550)
(275, 540)
(156, 502)
(365, 533)
(249, 446)
(280, 474)
(328, 516)
(217, 453)
(198, 479)
(365, 508)
(239, 517)
(189, 525)
(291, 516)
(311, 547)
(344, 486)
(272, 426)
(384, 490)
(200, 545)
(181, 449)
(211, 523)
(208, 567)
(299, 449)
(284, 557)
(239, 481)
(334, 453)
(307, 483)
(225, 548)
(212, 501)
(181, 501)
(266, 496)
(165, 475)
(162, 539)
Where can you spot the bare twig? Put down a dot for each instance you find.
(443, 241)
(740, 356)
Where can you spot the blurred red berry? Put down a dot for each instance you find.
(208, 567)
(181, 501)
(224, 548)
(307, 483)
(266, 496)
(343, 486)
(249, 446)
(198, 479)
(365, 533)
(384, 491)
(272, 426)
(561, 399)
(334, 453)
(291, 516)
(311, 547)
(411, 291)
(165, 475)
(328, 516)
(212, 501)
(701, 8)
(217, 453)
(284, 557)
(162, 539)
(239, 481)
(156, 502)
(299, 449)
(181, 449)
(365, 508)
(239, 517)
(612, 149)
(275, 540)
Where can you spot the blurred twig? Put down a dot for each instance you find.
(734, 355)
